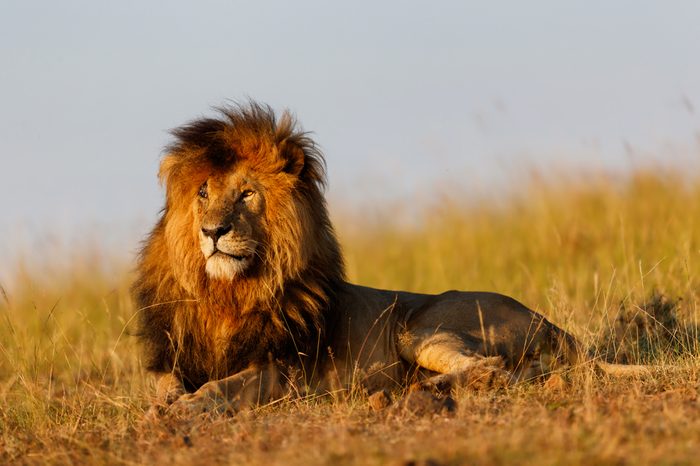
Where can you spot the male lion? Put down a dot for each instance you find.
(242, 294)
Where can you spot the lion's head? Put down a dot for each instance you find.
(244, 236)
(244, 200)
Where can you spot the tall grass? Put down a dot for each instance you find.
(577, 250)
(594, 255)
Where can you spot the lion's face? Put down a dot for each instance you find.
(228, 213)
(244, 209)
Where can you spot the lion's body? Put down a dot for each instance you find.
(242, 294)
(383, 337)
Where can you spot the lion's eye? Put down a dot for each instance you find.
(247, 194)
(203, 191)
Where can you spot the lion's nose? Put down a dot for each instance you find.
(216, 232)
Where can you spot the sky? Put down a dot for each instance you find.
(400, 95)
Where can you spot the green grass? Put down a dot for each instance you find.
(614, 261)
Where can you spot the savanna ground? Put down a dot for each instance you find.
(617, 262)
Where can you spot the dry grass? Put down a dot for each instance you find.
(616, 262)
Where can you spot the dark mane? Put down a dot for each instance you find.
(212, 136)
(279, 313)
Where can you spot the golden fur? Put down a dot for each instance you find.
(202, 327)
(241, 290)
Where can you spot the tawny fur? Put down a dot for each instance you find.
(241, 288)
(203, 328)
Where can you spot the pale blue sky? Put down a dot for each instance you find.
(405, 93)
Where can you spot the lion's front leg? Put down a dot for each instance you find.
(244, 390)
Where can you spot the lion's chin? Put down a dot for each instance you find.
(225, 267)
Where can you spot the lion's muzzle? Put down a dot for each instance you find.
(226, 252)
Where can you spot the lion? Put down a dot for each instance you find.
(242, 294)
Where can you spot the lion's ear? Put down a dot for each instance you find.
(293, 156)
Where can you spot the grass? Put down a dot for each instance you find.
(614, 261)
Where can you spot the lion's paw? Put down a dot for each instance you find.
(478, 377)
(439, 385)
(197, 404)
(484, 377)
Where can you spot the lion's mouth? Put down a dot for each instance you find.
(236, 257)
(226, 265)
(226, 258)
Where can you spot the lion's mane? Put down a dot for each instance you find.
(201, 328)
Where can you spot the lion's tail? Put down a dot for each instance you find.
(572, 353)
(622, 370)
